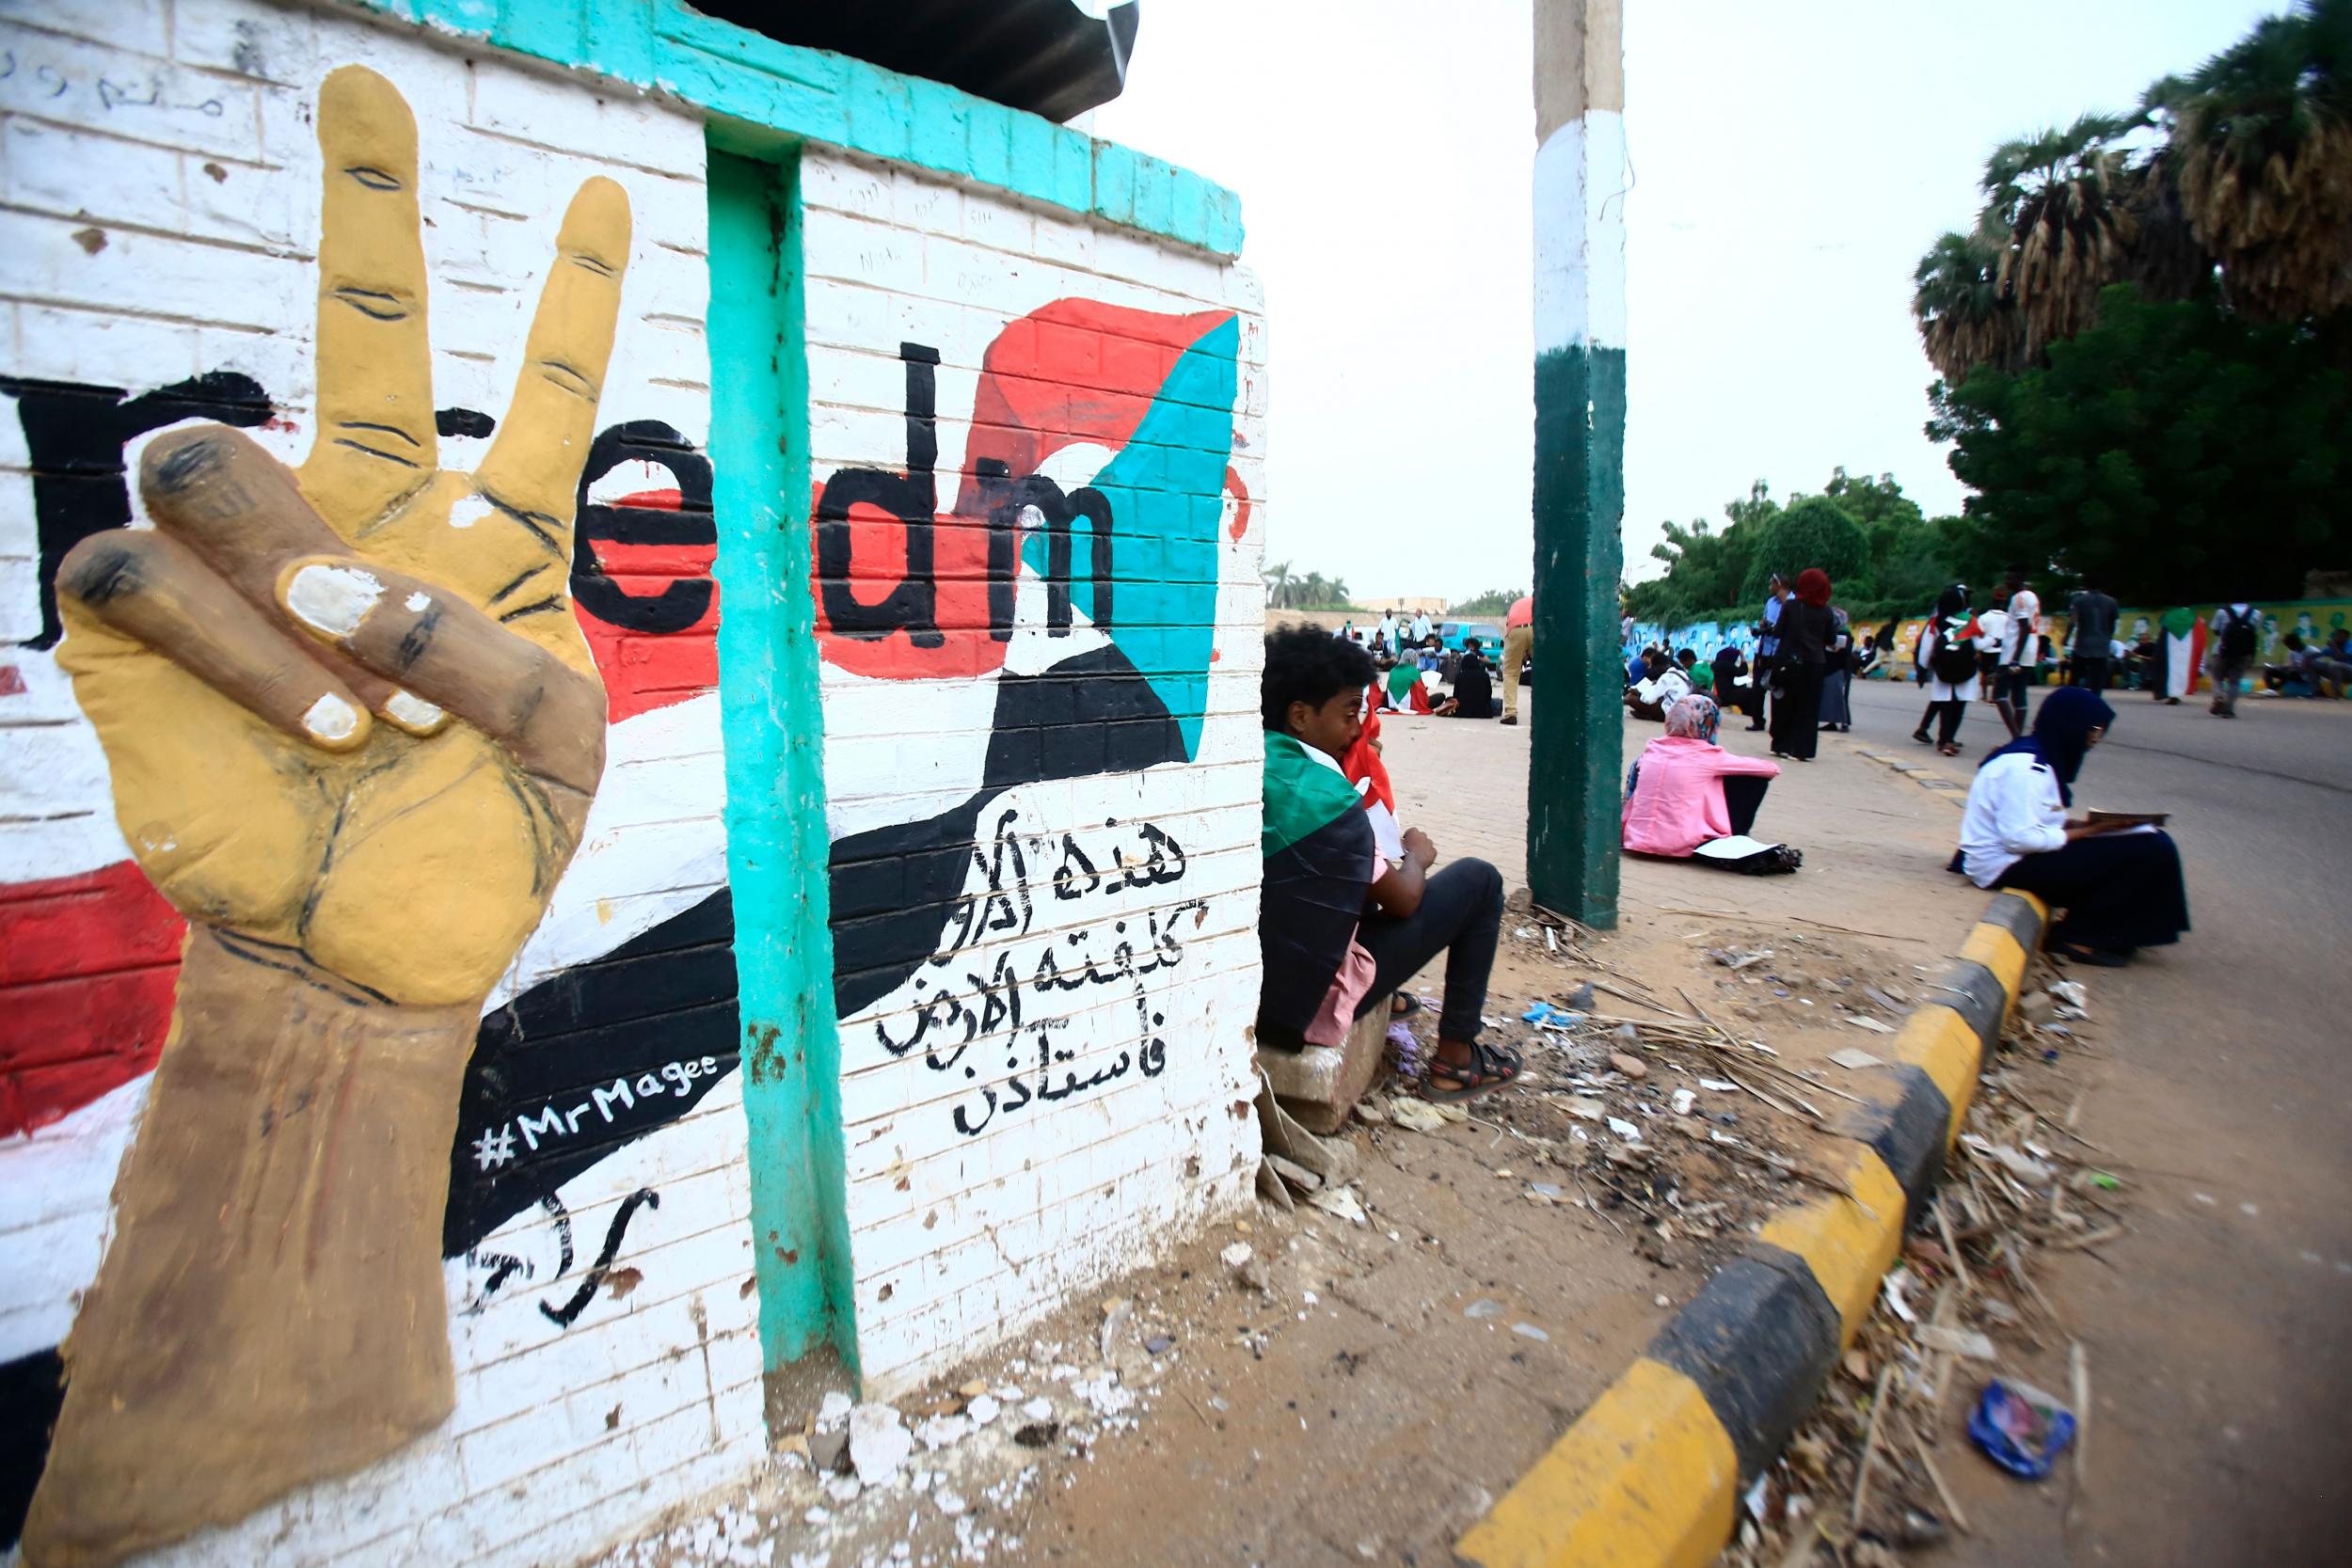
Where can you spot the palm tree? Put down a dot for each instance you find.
(1337, 588)
(1277, 583)
(2263, 134)
(1964, 315)
(2060, 196)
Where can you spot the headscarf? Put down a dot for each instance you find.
(1813, 586)
(2061, 734)
(1695, 718)
(1951, 602)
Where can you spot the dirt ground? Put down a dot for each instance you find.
(1357, 1382)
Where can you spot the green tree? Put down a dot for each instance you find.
(2239, 174)
(2178, 451)
(1495, 601)
(1811, 531)
(1908, 556)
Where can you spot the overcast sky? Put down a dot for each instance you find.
(1790, 165)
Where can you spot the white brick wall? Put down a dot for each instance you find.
(958, 1238)
(181, 131)
(159, 201)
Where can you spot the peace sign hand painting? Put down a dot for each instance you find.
(353, 732)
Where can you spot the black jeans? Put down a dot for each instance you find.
(1947, 717)
(2091, 673)
(1743, 797)
(1461, 916)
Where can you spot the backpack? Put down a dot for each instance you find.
(1955, 659)
(2239, 636)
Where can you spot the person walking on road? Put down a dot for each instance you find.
(1518, 641)
(2020, 650)
(1947, 656)
(2233, 639)
(2090, 617)
(2117, 884)
(1767, 651)
(1805, 630)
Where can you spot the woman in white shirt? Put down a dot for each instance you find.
(1947, 654)
(2117, 889)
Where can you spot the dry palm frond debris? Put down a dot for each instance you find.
(1866, 1480)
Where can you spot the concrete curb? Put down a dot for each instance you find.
(1650, 1475)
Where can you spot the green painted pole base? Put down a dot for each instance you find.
(1576, 767)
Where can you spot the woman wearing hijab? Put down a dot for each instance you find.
(1473, 685)
(1805, 629)
(1837, 685)
(1947, 658)
(1688, 795)
(2118, 885)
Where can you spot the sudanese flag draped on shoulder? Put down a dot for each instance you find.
(1319, 867)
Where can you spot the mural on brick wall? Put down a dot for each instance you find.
(354, 716)
(1072, 580)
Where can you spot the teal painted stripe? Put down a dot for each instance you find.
(667, 46)
(777, 844)
(1575, 766)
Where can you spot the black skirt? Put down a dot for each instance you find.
(2115, 891)
(1797, 711)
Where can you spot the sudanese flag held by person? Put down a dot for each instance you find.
(1320, 863)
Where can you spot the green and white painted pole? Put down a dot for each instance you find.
(1574, 778)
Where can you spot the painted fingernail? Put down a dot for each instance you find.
(331, 719)
(333, 599)
(411, 711)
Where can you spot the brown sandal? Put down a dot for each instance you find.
(1490, 1067)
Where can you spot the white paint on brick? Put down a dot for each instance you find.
(562, 1437)
(960, 1238)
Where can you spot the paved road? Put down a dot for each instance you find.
(2218, 1331)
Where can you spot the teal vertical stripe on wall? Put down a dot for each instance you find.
(777, 844)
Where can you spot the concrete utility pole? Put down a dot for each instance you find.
(1575, 780)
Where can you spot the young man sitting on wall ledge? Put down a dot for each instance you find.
(1344, 919)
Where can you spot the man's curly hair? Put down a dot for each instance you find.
(1307, 664)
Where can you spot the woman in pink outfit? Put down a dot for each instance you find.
(1688, 797)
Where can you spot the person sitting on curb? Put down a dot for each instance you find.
(2117, 884)
(1342, 920)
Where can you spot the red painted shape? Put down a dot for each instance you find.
(1073, 371)
(89, 963)
(634, 681)
(88, 966)
(11, 681)
(1240, 493)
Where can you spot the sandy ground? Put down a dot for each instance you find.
(1370, 1379)
(1365, 1389)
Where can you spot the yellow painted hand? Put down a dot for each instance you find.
(351, 720)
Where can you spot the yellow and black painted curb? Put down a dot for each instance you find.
(1650, 1475)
